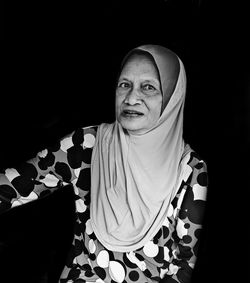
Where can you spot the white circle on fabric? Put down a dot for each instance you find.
(103, 259)
(173, 269)
(200, 192)
(89, 140)
(170, 210)
(66, 144)
(132, 257)
(116, 271)
(175, 253)
(166, 253)
(180, 229)
(92, 246)
(23, 200)
(80, 205)
(50, 180)
(76, 190)
(150, 249)
(16, 203)
(77, 172)
(11, 173)
(43, 153)
(191, 264)
(165, 222)
(89, 229)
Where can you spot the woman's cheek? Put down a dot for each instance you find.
(118, 105)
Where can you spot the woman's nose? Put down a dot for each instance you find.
(132, 97)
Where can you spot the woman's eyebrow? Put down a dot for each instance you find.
(123, 78)
(151, 80)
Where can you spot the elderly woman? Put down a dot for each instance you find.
(139, 188)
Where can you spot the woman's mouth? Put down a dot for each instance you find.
(131, 113)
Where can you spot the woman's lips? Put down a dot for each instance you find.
(131, 113)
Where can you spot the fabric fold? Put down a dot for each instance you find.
(135, 177)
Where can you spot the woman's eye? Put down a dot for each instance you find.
(123, 85)
(149, 87)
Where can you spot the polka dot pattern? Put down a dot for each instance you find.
(92, 246)
(89, 140)
(23, 184)
(43, 153)
(200, 192)
(78, 137)
(22, 200)
(47, 161)
(89, 229)
(101, 273)
(134, 275)
(50, 180)
(181, 230)
(7, 192)
(202, 179)
(83, 181)
(80, 205)
(103, 259)
(116, 271)
(66, 143)
(11, 174)
(75, 156)
(150, 249)
(63, 170)
(171, 252)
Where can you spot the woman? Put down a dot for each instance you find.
(139, 189)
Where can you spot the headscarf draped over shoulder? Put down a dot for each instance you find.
(135, 177)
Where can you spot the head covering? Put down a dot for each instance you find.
(135, 177)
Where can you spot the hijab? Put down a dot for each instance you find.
(134, 178)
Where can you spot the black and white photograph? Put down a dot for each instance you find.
(124, 146)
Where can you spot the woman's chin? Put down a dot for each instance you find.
(132, 126)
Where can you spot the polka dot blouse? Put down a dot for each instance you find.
(169, 256)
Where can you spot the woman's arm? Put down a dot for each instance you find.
(51, 169)
(188, 227)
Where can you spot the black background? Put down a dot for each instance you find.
(60, 63)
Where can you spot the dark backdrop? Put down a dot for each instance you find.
(60, 63)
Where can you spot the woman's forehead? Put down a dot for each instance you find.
(140, 62)
(164, 60)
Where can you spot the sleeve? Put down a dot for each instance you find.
(50, 169)
(189, 226)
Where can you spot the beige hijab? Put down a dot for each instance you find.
(135, 177)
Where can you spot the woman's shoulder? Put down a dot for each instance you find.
(193, 190)
(193, 171)
(81, 136)
(199, 170)
(90, 130)
(85, 135)
(196, 160)
(82, 132)
(192, 164)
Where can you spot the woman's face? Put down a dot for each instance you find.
(138, 95)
